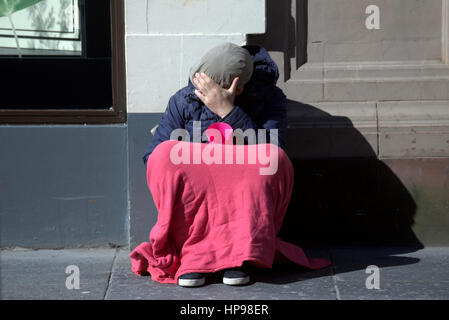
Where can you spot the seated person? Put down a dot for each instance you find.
(220, 216)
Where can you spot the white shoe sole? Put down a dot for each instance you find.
(236, 281)
(191, 282)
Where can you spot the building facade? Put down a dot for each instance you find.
(367, 83)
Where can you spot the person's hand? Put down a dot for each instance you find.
(219, 100)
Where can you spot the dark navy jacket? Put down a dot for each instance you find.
(262, 105)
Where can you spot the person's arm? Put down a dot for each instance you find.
(220, 100)
(171, 120)
(274, 117)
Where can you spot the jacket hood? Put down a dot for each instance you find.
(265, 69)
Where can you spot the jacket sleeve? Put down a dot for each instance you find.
(171, 120)
(274, 117)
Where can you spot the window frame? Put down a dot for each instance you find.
(115, 114)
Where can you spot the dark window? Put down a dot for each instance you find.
(70, 68)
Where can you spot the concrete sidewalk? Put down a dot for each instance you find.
(404, 273)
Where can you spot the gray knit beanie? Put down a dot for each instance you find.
(223, 63)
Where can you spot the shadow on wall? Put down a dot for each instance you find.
(342, 193)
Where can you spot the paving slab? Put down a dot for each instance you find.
(41, 274)
(287, 282)
(404, 273)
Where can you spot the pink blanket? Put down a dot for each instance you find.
(216, 216)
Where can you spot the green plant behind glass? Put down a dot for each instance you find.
(8, 7)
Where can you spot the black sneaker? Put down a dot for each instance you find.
(235, 276)
(192, 280)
